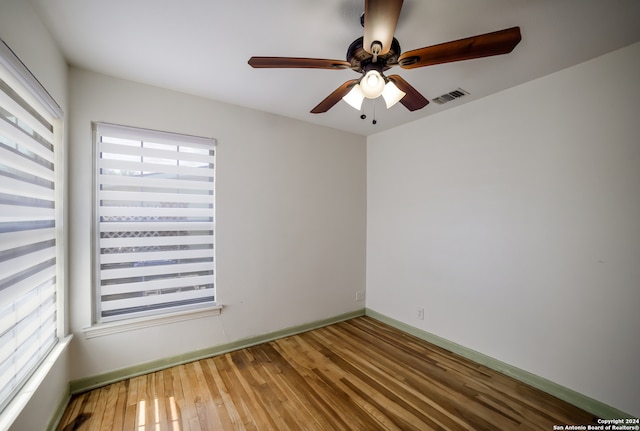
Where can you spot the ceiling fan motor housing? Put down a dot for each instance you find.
(362, 61)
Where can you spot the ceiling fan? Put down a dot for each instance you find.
(378, 50)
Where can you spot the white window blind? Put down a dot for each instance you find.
(155, 217)
(28, 227)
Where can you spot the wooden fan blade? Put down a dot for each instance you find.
(484, 45)
(380, 20)
(297, 62)
(334, 97)
(413, 100)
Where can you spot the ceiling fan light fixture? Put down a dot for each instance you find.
(392, 94)
(378, 50)
(354, 97)
(372, 85)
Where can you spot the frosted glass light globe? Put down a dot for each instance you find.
(355, 97)
(372, 84)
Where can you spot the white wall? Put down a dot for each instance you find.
(514, 221)
(291, 210)
(25, 34)
(22, 30)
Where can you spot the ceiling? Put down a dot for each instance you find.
(201, 47)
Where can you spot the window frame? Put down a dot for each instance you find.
(36, 102)
(102, 325)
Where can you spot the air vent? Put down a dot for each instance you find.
(452, 95)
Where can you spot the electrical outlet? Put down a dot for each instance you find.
(360, 295)
(420, 314)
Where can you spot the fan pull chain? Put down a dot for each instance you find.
(374, 122)
(363, 116)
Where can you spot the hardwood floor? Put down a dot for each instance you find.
(356, 375)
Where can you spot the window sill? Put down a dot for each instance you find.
(20, 401)
(147, 322)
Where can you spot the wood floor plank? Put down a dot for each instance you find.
(131, 405)
(74, 415)
(120, 407)
(160, 404)
(355, 375)
(236, 391)
(236, 422)
(208, 412)
(149, 411)
(213, 393)
(179, 403)
(109, 401)
(190, 409)
(93, 409)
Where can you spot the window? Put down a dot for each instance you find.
(155, 222)
(30, 228)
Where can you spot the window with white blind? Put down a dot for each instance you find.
(29, 224)
(155, 222)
